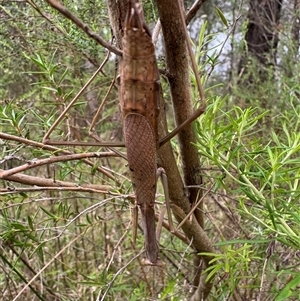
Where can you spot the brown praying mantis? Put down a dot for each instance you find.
(139, 93)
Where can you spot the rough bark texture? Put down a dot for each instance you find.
(296, 24)
(117, 13)
(177, 60)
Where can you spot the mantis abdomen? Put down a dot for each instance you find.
(141, 155)
(139, 92)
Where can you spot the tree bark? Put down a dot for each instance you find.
(177, 60)
(296, 25)
(262, 33)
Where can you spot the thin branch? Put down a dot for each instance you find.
(116, 275)
(35, 163)
(44, 182)
(88, 143)
(86, 210)
(225, 40)
(60, 117)
(31, 2)
(47, 265)
(53, 149)
(195, 206)
(193, 10)
(64, 11)
(91, 129)
(193, 61)
(59, 29)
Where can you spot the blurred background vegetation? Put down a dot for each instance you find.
(248, 141)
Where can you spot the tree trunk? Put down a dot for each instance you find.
(262, 34)
(177, 60)
(296, 24)
(295, 42)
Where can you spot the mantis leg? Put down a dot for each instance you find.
(162, 174)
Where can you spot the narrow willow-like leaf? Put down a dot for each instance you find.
(222, 17)
(286, 292)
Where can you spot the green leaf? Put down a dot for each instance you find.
(51, 89)
(222, 17)
(48, 213)
(287, 291)
(19, 226)
(30, 222)
(24, 195)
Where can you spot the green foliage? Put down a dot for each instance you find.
(290, 289)
(150, 11)
(48, 71)
(249, 151)
(232, 264)
(259, 169)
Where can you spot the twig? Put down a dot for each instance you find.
(31, 2)
(196, 205)
(269, 252)
(91, 129)
(193, 10)
(193, 61)
(115, 277)
(60, 117)
(117, 246)
(59, 29)
(35, 163)
(87, 210)
(50, 184)
(53, 149)
(84, 143)
(47, 265)
(64, 11)
(226, 39)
